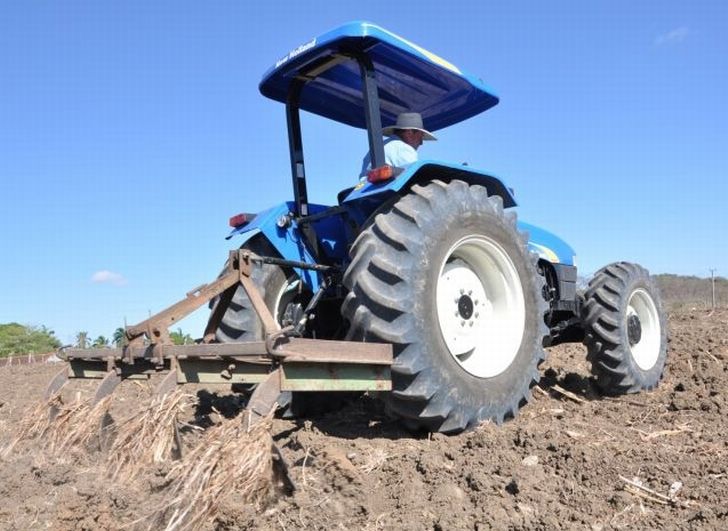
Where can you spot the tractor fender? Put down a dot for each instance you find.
(427, 170)
(366, 196)
(278, 226)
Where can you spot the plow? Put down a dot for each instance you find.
(236, 454)
(280, 362)
(419, 286)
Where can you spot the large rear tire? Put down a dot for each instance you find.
(286, 298)
(279, 288)
(625, 330)
(444, 275)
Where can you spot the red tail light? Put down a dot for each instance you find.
(241, 219)
(383, 173)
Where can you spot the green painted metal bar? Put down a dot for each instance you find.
(335, 377)
(211, 371)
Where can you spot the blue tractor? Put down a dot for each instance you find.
(430, 258)
(419, 284)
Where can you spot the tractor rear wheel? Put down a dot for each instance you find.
(286, 297)
(625, 330)
(280, 289)
(444, 275)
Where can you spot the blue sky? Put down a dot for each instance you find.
(131, 131)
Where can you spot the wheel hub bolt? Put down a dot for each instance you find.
(634, 330)
(465, 307)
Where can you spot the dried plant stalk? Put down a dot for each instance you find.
(147, 437)
(228, 459)
(77, 426)
(34, 424)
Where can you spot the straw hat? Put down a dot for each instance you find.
(409, 120)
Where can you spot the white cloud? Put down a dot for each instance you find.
(676, 35)
(108, 277)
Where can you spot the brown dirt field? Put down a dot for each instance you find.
(558, 465)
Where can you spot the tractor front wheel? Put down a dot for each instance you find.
(625, 330)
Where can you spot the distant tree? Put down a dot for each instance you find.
(19, 339)
(180, 338)
(120, 339)
(82, 340)
(101, 342)
(690, 291)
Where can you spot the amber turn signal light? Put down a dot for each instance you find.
(383, 173)
(241, 219)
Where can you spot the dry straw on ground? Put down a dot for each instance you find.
(75, 426)
(230, 459)
(78, 427)
(34, 424)
(147, 437)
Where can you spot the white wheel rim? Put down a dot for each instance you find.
(645, 351)
(284, 293)
(480, 306)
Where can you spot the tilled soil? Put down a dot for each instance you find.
(564, 463)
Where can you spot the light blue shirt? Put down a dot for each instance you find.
(396, 153)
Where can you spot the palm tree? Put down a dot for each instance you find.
(180, 338)
(101, 342)
(120, 339)
(82, 340)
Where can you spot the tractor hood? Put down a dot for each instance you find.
(409, 78)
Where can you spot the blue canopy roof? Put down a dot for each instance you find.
(409, 78)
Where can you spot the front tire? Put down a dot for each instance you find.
(625, 329)
(444, 275)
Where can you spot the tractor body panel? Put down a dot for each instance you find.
(547, 245)
(427, 170)
(333, 233)
(281, 230)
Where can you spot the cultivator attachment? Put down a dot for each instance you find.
(282, 361)
(294, 363)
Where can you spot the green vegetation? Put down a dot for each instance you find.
(19, 339)
(100, 342)
(180, 338)
(82, 340)
(119, 338)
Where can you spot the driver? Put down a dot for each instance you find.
(400, 149)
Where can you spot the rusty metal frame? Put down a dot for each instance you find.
(150, 349)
